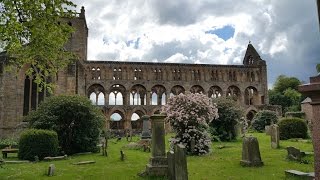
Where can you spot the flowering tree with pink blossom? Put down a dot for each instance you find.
(189, 115)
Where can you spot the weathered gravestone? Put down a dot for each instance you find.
(122, 155)
(299, 174)
(251, 152)
(294, 154)
(180, 159)
(267, 130)
(177, 163)
(146, 134)
(275, 136)
(192, 145)
(51, 170)
(158, 164)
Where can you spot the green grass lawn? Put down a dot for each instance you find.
(221, 164)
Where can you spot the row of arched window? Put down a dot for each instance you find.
(139, 95)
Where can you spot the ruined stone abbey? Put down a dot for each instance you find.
(127, 90)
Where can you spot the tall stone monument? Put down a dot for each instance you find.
(312, 90)
(158, 165)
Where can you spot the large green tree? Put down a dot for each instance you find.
(285, 93)
(33, 32)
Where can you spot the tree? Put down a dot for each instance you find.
(33, 32)
(230, 113)
(77, 122)
(318, 68)
(283, 83)
(189, 115)
(285, 93)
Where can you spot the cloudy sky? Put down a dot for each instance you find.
(284, 32)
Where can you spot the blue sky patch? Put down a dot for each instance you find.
(225, 33)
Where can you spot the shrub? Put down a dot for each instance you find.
(298, 114)
(189, 115)
(37, 142)
(264, 118)
(223, 128)
(8, 142)
(292, 128)
(77, 122)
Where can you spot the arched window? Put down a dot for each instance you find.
(116, 121)
(116, 95)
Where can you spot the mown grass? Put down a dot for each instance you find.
(221, 164)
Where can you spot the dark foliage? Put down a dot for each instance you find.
(37, 142)
(77, 122)
(223, 128)
(293, 128)
(262, 119)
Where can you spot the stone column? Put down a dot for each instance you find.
(312, 90)
(158, 164)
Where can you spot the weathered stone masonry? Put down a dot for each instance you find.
(126, 88)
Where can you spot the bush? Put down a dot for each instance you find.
(77, 122)
(292, 128)
(8, 142)
(37, 142)
(189, 115)
(230, 113)
(298, 114)
(264, 118)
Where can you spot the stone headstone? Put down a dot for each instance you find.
(122, 155)
(171, 162)
(84, 162)
(158, 164)
(146, 134)
(294, 153)
(275, 136)
(180, 160)
(51, 170)
(251, 152)
(299, 174)
(267, 130)
(192, 145)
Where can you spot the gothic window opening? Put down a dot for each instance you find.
(157, 74)
(117, 74)
(136, 122)
(197, 89)
(116, 120)
(176, 90)
(96, 94)
(32, 96)
(158, 95)
(234, 93)
(138, 95)
(116, 95)
(176, 75)
(251, 96)
(215, 92)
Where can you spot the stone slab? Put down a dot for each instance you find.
(301, 175)
(84, 162)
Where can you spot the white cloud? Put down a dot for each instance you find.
(283, 31)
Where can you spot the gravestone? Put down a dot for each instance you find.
(146, 134)
(192, 145)
(299, 174)
(267, 130)
(180, 160)
(294, 154)
(251, 152)
(275, 136)
(122, 155)
(158, 165)
(170, 156)
(51, 170)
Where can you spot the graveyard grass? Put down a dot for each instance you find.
(220, 164)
